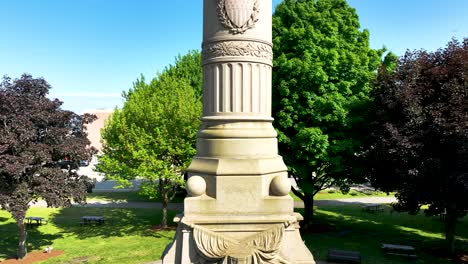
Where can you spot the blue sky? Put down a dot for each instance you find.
(92, 50)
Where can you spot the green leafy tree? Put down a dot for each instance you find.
(389, 62)
(322, 70)
(35, 135)
(419, 145)
(153, 136)
(187, 67)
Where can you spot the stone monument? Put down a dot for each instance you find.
(238, 209)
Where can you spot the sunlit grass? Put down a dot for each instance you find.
(351, 228)
(336, 194)
(125, 238)
(126, 197)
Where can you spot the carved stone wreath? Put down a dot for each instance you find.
(238, 15)
(237, 48)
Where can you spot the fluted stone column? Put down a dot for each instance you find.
(238, 209)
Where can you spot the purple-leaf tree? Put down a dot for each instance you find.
(35, 137)
(420, 137)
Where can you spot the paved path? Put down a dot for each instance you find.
(180, 206)
(354, 200)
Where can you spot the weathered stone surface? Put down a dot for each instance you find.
(239, 210)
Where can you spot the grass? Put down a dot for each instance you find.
(119, 196)
(336, 194)
(125, 238)
(126, 196)
(322, 195)
(355, 230)
(329, 195)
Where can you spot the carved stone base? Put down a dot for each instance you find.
(268, 239)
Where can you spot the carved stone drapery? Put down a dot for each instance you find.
(237, 48)
(263, 247)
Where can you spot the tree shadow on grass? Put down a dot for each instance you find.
(36, 239)
(119, 222)
(119, 196)
(133, 196)
(352, 229)
(429, 223)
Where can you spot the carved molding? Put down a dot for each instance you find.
(263, 247)
(238, 20)
(237, 48)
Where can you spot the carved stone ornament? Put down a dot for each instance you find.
(214, 248)
(237, 48)
(238, 15)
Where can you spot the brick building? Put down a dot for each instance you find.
(94, 128)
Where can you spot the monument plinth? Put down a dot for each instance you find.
(239, 209)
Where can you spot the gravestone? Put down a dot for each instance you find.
(238, 209)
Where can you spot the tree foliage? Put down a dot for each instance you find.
(420, 135)
(153, 136)
(321, 82)
(35, 134)
(187, 67)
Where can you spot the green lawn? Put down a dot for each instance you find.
(336, 194)
(332, 195)
(126, 196)
(349, 228)
(322, 195)
(125, 238)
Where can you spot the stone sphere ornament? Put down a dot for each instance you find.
(196, 186)
(280, 186)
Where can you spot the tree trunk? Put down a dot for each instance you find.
(165, 202)
(22, 239)
(308, 209)
(450, 221)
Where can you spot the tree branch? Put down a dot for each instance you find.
(297, 193)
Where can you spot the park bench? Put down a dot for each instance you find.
(399, 250)
(442, 216)
(373, 208)
(35, 221)
(343, 256)
(92, 220)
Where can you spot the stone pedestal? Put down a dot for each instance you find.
(238, 209)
